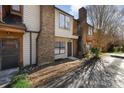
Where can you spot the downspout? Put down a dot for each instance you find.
(37, 39)
(30, 48)
(37, 47)
(30, 45)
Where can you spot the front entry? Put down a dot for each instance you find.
(69, 48)
(9, 53)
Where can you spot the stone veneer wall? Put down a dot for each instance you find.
(46, 38)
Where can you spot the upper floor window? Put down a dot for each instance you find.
(0, 12)
(64, 21)
(16, 8)
(61, 20)
(90, 31)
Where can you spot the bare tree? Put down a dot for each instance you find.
(105, 18)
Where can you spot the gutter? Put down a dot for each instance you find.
(30, 48)
(37, 47)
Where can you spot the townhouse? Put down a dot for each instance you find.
(39, 35)
(65, 35)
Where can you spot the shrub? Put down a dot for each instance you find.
(95, 51)
(117, 49)
(88, 54)
(20, 81)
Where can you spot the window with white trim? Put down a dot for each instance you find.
(90, 31)
(61, 21)
(0, 12)
(16, 8)
(64, 21)
(59, 48)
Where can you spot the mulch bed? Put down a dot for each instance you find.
(43, 74)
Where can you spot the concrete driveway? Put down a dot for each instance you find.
(106, 73)
(6, 75)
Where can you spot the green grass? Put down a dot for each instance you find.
(20, 81)
(21, 84)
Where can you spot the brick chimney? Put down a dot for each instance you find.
(82, 30)
(46, 39)
(82, 15)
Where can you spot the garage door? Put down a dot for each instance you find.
(9, 53)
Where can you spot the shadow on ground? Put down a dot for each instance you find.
(117, 56)
(93, 73)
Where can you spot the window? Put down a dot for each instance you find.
(0, 12)
(89, 46)
(16, 8)
(67, 22)
(90, 31)
(61, 20)
(64, 21)
(59, 48)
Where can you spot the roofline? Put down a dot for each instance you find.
(63, 11)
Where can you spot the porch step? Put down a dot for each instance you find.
(73, 58)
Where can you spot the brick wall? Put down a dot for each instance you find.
(83, 30)
(45, 46)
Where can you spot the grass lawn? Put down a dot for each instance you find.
(20, 81)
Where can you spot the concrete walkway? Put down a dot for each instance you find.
(6, 75)
(105, 73)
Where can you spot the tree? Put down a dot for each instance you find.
(107, 19)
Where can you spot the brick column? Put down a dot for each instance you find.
(46, 36)
(83, 30)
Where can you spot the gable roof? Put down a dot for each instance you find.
(63, 11)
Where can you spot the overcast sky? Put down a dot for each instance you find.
(73, 9)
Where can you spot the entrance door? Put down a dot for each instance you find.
(9, 53)
(69, 49)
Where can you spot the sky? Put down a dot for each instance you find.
(73, 9)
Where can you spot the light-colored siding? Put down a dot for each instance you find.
(31, 17)
(63, 32)
(26, 49)
(34, 36)
(60, 31)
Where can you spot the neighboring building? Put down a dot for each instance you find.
(18, 32)
(89, 37)
(35, 35)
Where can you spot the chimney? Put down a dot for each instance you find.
(46, 39)
(82, 26)
(82, 15)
